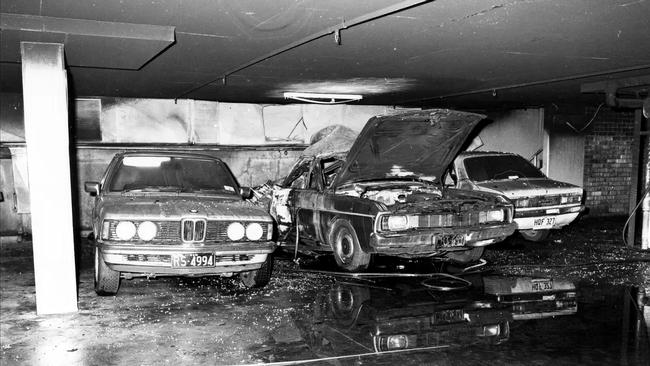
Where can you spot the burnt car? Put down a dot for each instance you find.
(161, 213)
(541, 203)
(384, 195)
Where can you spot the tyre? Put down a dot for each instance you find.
(259, 277)
(107, 281)
(535, 235)
(347, 252)
(465, 256)
(346, 302)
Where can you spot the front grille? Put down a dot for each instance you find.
(167, 231)
(189, 231)
(217, 231)
(193, 230)
(469, 218)
(233, 258)
(167, 259)
(444, 220)
(548, 200)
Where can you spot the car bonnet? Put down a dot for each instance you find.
(416, 143)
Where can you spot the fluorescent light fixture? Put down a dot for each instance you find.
(322, 98)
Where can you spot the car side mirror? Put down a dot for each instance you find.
(246, 192)
(92, 188)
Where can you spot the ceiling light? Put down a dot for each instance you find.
(322, 98)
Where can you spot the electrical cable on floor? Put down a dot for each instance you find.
(481, 262)
(295, 253)
(463, 284)
(333, 358)
(632, 215)
(429, 282)
(367, 274)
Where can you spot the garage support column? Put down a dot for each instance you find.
(45, 95)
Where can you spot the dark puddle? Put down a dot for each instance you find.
(481, 319)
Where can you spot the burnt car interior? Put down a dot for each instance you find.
(289, 182)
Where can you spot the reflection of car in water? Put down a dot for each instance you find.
(383, 195)
(540, 203)
(389, 315)
(533, 298)
(160, 213)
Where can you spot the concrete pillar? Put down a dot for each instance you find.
(45, 95)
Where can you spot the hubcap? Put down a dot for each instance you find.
(346, 246)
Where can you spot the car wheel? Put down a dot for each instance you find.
(347, 251)
(107, 281)
(346, 302)
(535, 235)
(259, 277)
(465, 256)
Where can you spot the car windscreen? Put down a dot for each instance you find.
(493, 167)
(175, 174)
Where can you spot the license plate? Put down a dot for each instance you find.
(451, 240)
(193, 260)
(447, 316)
(546, 222)
(542, 285)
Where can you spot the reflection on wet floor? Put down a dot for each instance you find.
(307, 316)
(497, 320)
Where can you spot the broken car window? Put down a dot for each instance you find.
(330, 168)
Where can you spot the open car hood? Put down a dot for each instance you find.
(420, 144)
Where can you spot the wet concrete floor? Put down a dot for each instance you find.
(577, 299)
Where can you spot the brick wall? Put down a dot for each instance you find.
(608, 160)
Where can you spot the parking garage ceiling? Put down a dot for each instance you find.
(418, 53)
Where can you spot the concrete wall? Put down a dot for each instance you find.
(566, 157)
(519, 131)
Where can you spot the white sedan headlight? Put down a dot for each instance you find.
(495, 216)
(125, 230)
(236, 231)
(254, 231)
(147, 230)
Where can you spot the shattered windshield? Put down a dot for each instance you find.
(172, 174)
(494, 167)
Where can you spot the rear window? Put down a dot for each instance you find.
(179, 174)
(494, 167)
